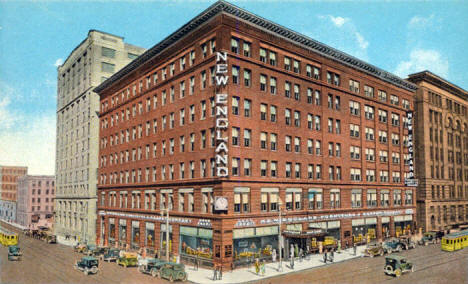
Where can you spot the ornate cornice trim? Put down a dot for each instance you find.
(277, 30)
(438, 82)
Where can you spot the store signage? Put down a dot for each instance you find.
(410, 181)
(204, 223)
(222, 122)
(147, 217)
(269, 221)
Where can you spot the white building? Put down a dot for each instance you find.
(94, 60)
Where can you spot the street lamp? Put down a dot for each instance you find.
(280, 263)
(167, 231)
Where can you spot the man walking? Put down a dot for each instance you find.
(354, 248)
(325, 256)
(291, 254)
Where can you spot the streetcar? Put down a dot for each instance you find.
(8, 238)
(455, 241)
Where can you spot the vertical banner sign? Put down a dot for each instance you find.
(222, 122)
(410, 181)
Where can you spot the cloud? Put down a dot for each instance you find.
(339, 21)
(58, 62)
(421, 22)
(423, 59)
(346, 35)
(31, 145)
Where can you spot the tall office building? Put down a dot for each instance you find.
(441, 135)
(94, 60)
(233, 118)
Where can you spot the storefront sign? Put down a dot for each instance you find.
(410, 181)
(146, 217)
(204, 223)
(222, 122)
(269, 221)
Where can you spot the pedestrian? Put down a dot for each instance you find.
(220, 272)
(197, 262)
(257, 266)
(262, 268)
(354, 248)
(325, 256)
(301, 254)
(346, 247)
(332, 255)
(215, 273)
(273, 255)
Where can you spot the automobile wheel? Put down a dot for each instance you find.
(171, 278)
(184, 278)
(388, 269)
(397, 272)
(154, 273)
(140, 268)
(412, 268)
(94, 269)
(86, 271)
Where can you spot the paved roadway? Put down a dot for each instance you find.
(432, 265)
(53, 264)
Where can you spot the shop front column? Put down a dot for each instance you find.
(392, 226)
(116, 231)
(157, 237)
(142, 234)
(106, 231)
(129, 233)
(379, 229)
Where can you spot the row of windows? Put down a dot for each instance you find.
(291, 64)
(291, 170)
(184, 199)
(167, 70)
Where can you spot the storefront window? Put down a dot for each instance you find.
(122, 232)
(111, 231)
(163, 239)
(196, 242)
(149, 241)
(255, 242)
(403, 224)
(135, 234)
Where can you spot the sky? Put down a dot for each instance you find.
(401, 37)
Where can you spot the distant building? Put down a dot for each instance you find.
(95, 59)
(8, 190)
(441, 136)
(35, 205)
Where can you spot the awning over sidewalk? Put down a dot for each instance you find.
(305, 234)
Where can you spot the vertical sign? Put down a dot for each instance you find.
(410, 181)
(222, 122)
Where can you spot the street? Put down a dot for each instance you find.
(53, 263)
(432, 265)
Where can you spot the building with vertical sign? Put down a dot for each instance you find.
(232, 118)
(94, 60)
(441, 120)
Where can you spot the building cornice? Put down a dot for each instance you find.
(223, 7)
(439, 82)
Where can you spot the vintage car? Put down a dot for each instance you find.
(88, 264)
(96, 251)
(111, 255)
(396, 265)
(151, 266)
(127, 259)
(14, 253)
(80, 248)
(408, 242)
(393, 245)
(50, 238)
(428, 238)
(172, 271)
(374, 249)
(330, 242)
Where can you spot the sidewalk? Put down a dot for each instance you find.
(243, 275)
(70, 242)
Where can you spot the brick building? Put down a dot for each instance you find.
(297, 126)
(35, 206)
(442, 152)
(9, 190)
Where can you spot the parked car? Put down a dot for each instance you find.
(97, 251)
(88, 264)
(374, 249)
(173, 271)
(111, 255)
(408, 242)
(14, 253)
(127, 259)
(431, 237)
(79, 248)
(151, 266)
(397, 265)
(393, 245)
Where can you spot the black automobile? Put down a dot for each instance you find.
(111, 255)
(88, 264)
(97, 251)
(14, 253)
(151, 266)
